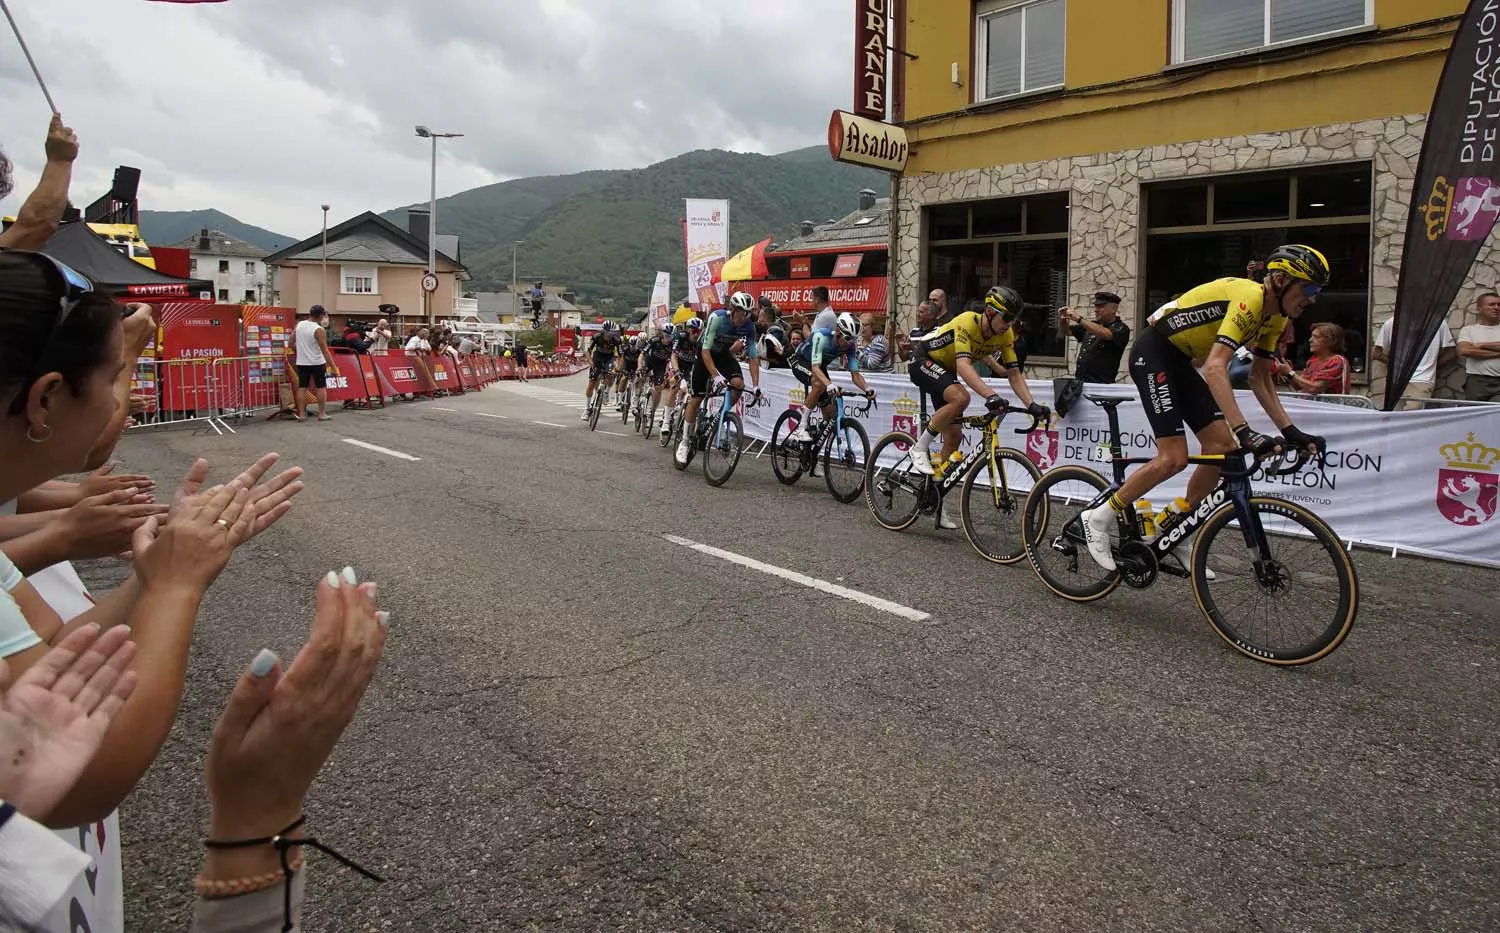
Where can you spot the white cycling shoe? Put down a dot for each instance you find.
(1096, 524)
(921, 461)
(683, 449)
(585, 415)
(944, 522)
(800, 436)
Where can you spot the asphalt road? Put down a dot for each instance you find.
(581, 725)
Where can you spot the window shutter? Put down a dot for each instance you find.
(1044, 44)
(1002, 55)
(1294, 19)
(1218, 27)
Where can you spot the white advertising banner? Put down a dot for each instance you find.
(706, 240)
(1427, 482)
(661, 301)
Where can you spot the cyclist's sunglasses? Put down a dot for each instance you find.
(1311, 290)
(1008, 316)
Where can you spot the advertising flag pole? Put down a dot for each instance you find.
(29, 60)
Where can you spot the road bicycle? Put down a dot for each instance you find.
(600, 399)
(673, 434)
(1270, 576)
(629, 396)
(989, 503)
(645, 405)
(721, 436)
(840, 443)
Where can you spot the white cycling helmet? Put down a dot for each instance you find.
(848, 326)
(741, 301)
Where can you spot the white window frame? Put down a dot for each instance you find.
(1179, 34)
(359, 272)
(996, 8)
(250, 267)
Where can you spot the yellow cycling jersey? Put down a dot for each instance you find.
(1226, 311)
(964, 337)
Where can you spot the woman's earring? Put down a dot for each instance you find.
(31, 436)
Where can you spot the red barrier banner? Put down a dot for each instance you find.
(507, 369)
(467, 375)
(347, 382)
(443, 375)
(487, 369)
(399, 375)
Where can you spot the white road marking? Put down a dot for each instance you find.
(864, 599)
(485, 414)
(383, 450)
(549, 424)
(613, 433)
(435, 408)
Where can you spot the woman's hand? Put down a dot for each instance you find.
(279, 727)
(190, 548)
(104, 525)
(53, 719)
(105, 479)
(269, 500)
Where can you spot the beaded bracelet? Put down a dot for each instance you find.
(234, 887)
(291, 862)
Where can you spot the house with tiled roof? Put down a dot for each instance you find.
(366, 266)
(237, 268)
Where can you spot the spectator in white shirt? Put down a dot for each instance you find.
(1479, 345)
(380, 336)
(418, 342)
(1438, 354)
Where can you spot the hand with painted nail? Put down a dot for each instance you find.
(281, 726)
(54, 717)
(192, 546)
(269, 500)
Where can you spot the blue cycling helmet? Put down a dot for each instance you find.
(695, 323)
(666, 330)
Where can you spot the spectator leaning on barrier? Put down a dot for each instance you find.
(314, 360)
(418, 342)
(1479, 345)
(1327, 369)
(1103, 339)
(1441, 351)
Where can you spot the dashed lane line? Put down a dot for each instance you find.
(382, 450)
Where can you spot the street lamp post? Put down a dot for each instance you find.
(324, 297)
(426, 133)
(515, 246)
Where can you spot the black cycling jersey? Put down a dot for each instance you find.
(686, 348)
(658, 350)
(605, 345)
(632, 352)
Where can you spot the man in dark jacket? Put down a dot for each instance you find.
(1104, 338)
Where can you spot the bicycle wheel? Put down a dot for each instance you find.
(596, 406)
(674, 425)
(991, 511)
(1053, 536)
(722, 453)
(677, 436)
(844, 454)
(893, 490)
(786, 456)
(1295, 607)
(648, 420)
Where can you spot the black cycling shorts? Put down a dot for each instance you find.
(724, 362)
(1171, 390)
(933, 379)
(802, 369)
(631, 365)
(657, 368)
(601, 367)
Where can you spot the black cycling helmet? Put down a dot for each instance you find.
(1004, 299)
(1302, 263)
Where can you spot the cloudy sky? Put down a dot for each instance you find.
(267, 108)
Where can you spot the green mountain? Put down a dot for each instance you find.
(163, 228)
(605, 234)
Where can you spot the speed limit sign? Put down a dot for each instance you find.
(429, 282)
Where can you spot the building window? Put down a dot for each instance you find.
(359, 280)
(223, 294)
(249, 294)
(1212, 228)
(1211, 28)
(193, 266)
(249, 268)
(1020, 242)
(1018, 47)
(223, 265)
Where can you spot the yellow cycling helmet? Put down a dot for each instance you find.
(1302, 263)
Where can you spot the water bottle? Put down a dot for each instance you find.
(956, 459)
(1172, 514)
(1147, 520)
(939, 465)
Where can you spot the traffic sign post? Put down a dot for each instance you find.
(429, 282)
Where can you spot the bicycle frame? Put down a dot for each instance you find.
(835, 424)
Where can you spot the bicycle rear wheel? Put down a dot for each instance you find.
(625, 408)
(1293, 607)
(1053, 534)
(893, 490)
(786, 456)
(845, 452)
(722, 453)
(991, 512)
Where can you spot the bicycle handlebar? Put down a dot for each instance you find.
(870, 402)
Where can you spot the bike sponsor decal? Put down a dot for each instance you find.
(1166, 542)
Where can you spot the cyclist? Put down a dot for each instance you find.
(686, 342)
(943, 365)
(630, 363)
(729, 332)
(657, 353)
(1205, 326)
(604, 350)
(810, 366)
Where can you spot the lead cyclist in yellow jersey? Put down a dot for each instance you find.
(1203, 328)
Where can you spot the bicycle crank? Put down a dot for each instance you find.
(1137, 564)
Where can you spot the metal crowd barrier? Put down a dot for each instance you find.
(1353, 401)
(1447, 402)
(211, 391)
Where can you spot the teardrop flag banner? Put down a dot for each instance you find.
(1455, 199)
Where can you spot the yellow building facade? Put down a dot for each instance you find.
(1142, 147)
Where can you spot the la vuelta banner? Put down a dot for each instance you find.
(661, 300)
(1456, 195)
(706, 241)
(1427, 482)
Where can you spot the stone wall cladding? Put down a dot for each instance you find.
(1104, 238)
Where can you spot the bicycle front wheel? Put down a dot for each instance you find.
(648, 418)
(595, 406)
(674, 426)
(893, 490)
(844, 454)
(1053, 534)
(993, 498)
(722, 452)
(1292, 605)
(786, 456)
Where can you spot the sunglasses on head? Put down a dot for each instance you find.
(75, 285)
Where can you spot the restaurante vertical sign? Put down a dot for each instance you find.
(871, 58)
